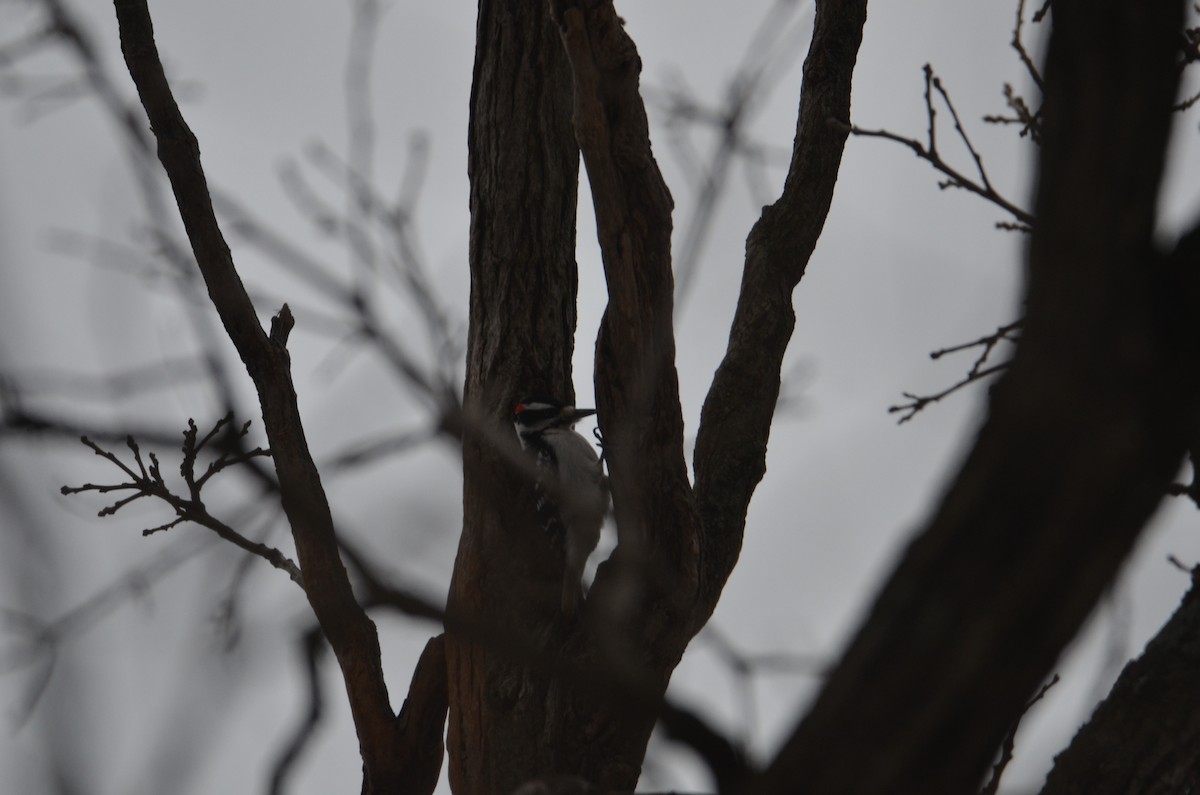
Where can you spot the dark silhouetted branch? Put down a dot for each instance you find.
(928, 151)
(351, 633)
(978, 372)
(735, 424)
(147, 481)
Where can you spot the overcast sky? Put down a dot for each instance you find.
(903, 268)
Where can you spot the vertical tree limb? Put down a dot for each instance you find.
(637, 388)
(523, 166)
(731, 443)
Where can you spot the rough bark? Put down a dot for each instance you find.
(1082, 439)
(523, 167)
(1145, 737)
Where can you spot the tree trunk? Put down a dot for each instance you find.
(523, 166)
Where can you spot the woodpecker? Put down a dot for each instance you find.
(572, 492)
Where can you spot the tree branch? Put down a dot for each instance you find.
(978, 372)
(351, 634)
(149, 482)
(928, 152)
(731, 443)
(637, 388)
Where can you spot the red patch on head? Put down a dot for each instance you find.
(520, 407)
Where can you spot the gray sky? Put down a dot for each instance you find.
(903, 268)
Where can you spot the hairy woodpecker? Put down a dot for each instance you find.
(572, 492)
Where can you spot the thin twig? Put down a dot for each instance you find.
(962, 134)
(149, 482)
(929, 152)
(1019, 45)
(987, 343)
(918, 402)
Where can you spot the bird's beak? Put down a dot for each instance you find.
(577, 414)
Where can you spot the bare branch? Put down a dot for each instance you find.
(735, 423)
(977, 372)
(1019, 45)
(1031, 123)
(962, 134)
(350, 631)
(918, 402)
(16, 420)
(422, 719)
(1030, 120)
(726, 762)
(987, 342)
(929, 152)
(148, 482)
